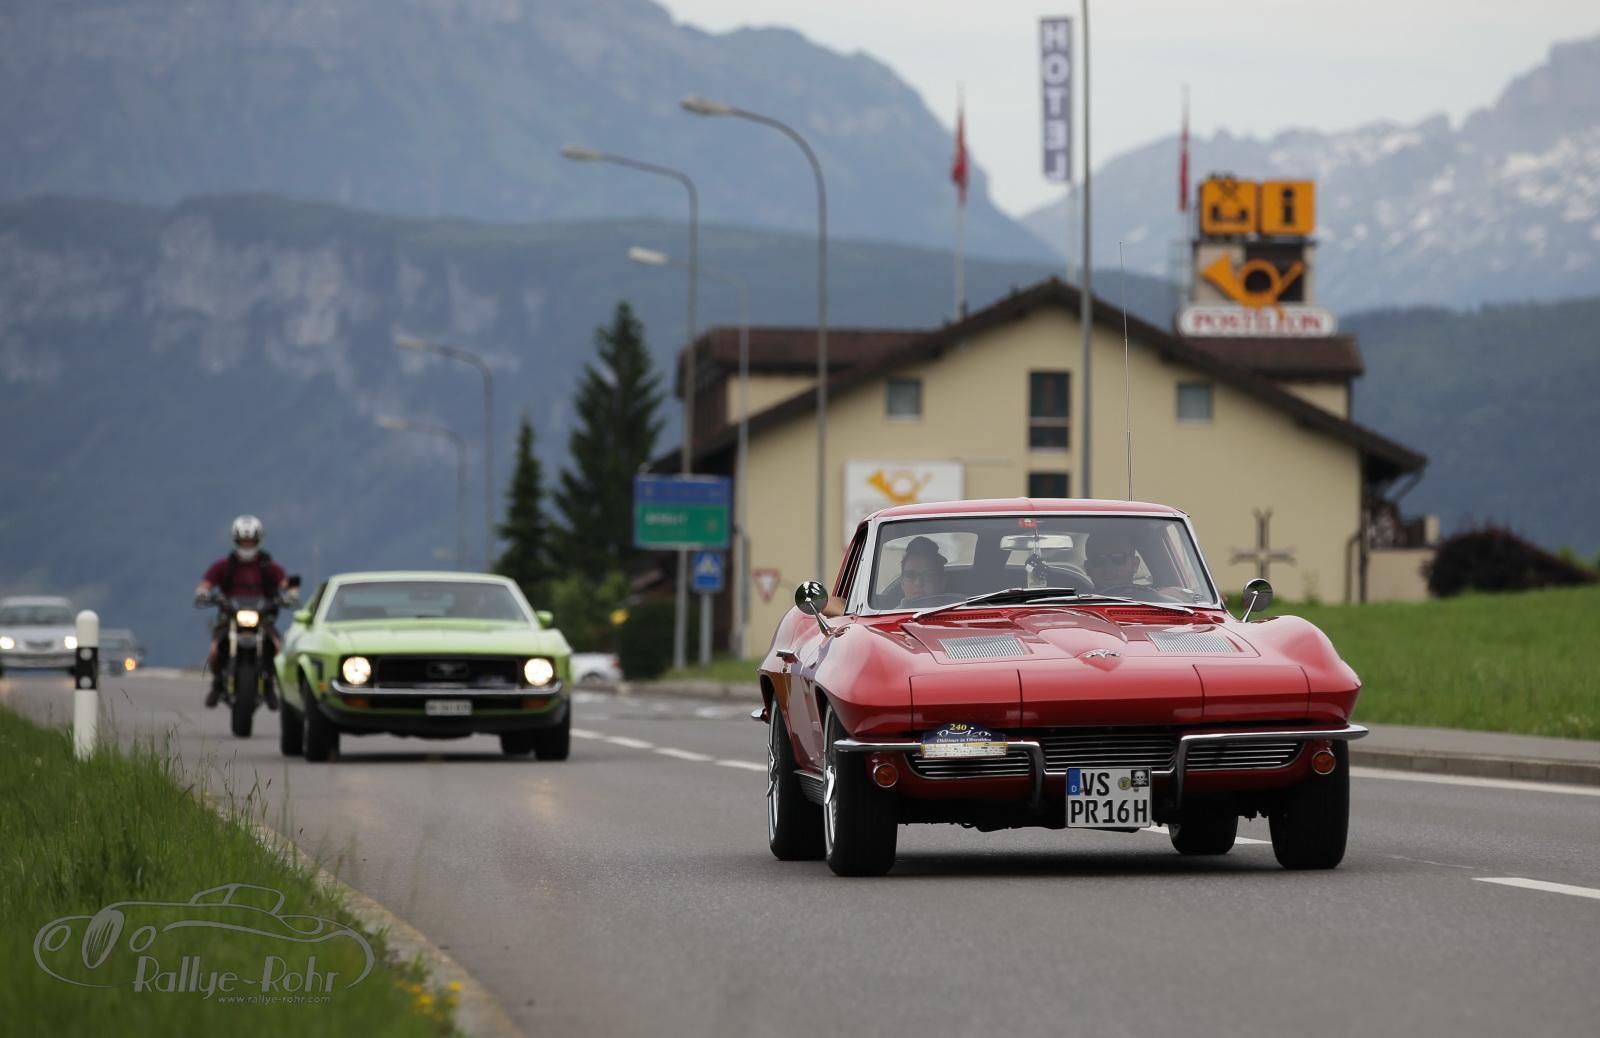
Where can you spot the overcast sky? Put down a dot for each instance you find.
(1252, 66)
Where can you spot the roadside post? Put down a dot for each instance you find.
(86, 674)
(684, 513)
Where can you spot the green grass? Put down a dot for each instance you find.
(76, 837)
(1527, 662)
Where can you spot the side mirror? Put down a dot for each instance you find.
(302, 617)
(293, 581)
(546, 617)
(811, 598)
(1257, 595)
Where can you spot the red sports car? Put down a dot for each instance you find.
(1056, 663)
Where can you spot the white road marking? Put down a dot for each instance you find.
(585, 733)
(747, 765)
(1468, 780)
(632, 744)
(667, 751)
(1162, 831)
(1539, 884)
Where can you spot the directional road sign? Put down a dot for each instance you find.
(681, 512)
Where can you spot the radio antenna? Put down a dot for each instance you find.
(1127, 392)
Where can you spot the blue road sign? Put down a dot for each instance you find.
(706, 572)
(681, 511)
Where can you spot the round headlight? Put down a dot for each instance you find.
(357, 670)
(70, 641)
(248, 617)
(6, 643)
(539, 672)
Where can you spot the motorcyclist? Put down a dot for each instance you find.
(245, 572)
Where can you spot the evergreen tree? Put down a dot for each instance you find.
(618, 420)
(526, 559)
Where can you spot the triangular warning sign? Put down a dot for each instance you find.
(766, 581)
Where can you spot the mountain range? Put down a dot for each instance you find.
(1503, 207)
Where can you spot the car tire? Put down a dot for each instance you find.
(794, 824)
(246, 678)
(516, 744)
(1204, 833)
(1310, 827)
(321, 737)
(858, 819)
(554, 743)
(291, 729)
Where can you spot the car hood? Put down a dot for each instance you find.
(38, 633)
(423, 637)
(1066, 633)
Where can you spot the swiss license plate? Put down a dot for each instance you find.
(447, 707)
(1115, 798)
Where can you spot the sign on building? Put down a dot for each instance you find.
(680, 512)
(1055, 72)
(871, 485)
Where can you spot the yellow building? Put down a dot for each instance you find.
(1251, 437)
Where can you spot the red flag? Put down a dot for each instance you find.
(958, 167)
(1183, 158)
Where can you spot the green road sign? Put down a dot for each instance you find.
(680, 512)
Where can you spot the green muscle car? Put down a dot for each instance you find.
(435, 655)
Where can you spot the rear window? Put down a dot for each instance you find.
(423, 599)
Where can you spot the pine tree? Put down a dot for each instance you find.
(526, 559)
(618, 404)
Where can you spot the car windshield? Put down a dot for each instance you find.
(927, 562)
(409, 599)
(36, 616)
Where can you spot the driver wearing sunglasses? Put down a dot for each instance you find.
(1111, 563)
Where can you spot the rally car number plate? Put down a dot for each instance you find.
(1101, 798)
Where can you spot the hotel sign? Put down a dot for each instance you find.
(1055, 72)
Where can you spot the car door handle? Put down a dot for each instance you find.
(787, 655)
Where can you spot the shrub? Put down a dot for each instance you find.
(646, 644)
(1495, 559)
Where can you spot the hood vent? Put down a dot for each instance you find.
(983, 647)
(1192, 644)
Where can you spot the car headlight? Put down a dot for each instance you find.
(247, 617)
(539, 672)
(6, 643)
(70, 642)
(357, 670)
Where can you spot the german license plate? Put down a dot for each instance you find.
(447, 707)
(1115, 798)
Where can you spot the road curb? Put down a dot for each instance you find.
(478, 1013)
(1437, 762)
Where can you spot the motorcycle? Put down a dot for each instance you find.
(252, 642)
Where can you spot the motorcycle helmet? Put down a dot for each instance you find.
(246, 537)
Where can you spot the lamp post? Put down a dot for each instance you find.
(406, 425)
(741, 561)
(419, 344)
(577, 153)
(704, 106)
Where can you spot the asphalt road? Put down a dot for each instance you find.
(629, 891)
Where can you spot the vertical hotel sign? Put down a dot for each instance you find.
(1055, 72)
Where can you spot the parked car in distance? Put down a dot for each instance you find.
(37, 632)
(596, 668)
(120, 651)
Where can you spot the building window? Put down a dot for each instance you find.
(903, 398)
(1194, 401)
(1048, 484)
(1049, 411)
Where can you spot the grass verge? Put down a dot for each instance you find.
(159, 897)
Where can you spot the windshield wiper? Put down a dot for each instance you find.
(1018, 594)
(1135, 601)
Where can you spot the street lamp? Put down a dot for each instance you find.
(741, 561)
(419, 344)
(579, 153)
(704, 106)
(405, 425)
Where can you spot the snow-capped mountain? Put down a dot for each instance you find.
(1504, 207)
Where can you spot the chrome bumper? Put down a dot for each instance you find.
(1175, 774)
(509, 692)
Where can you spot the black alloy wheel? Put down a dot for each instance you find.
(794, 824)
(858, 818)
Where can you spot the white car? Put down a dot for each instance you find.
(596, 668)
(37, 632)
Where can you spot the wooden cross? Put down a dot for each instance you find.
(1263, 555)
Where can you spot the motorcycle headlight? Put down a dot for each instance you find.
(539, 672)
(247, 617)
(357, 670)
(70, 641)
(6, 643)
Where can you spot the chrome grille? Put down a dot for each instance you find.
(1109, 748)
(983, 647)
(1192, 644)
(1241, 756)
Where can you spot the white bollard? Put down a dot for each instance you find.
(86, 675)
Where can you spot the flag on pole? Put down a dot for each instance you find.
(1183, 157)
(958, 167)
